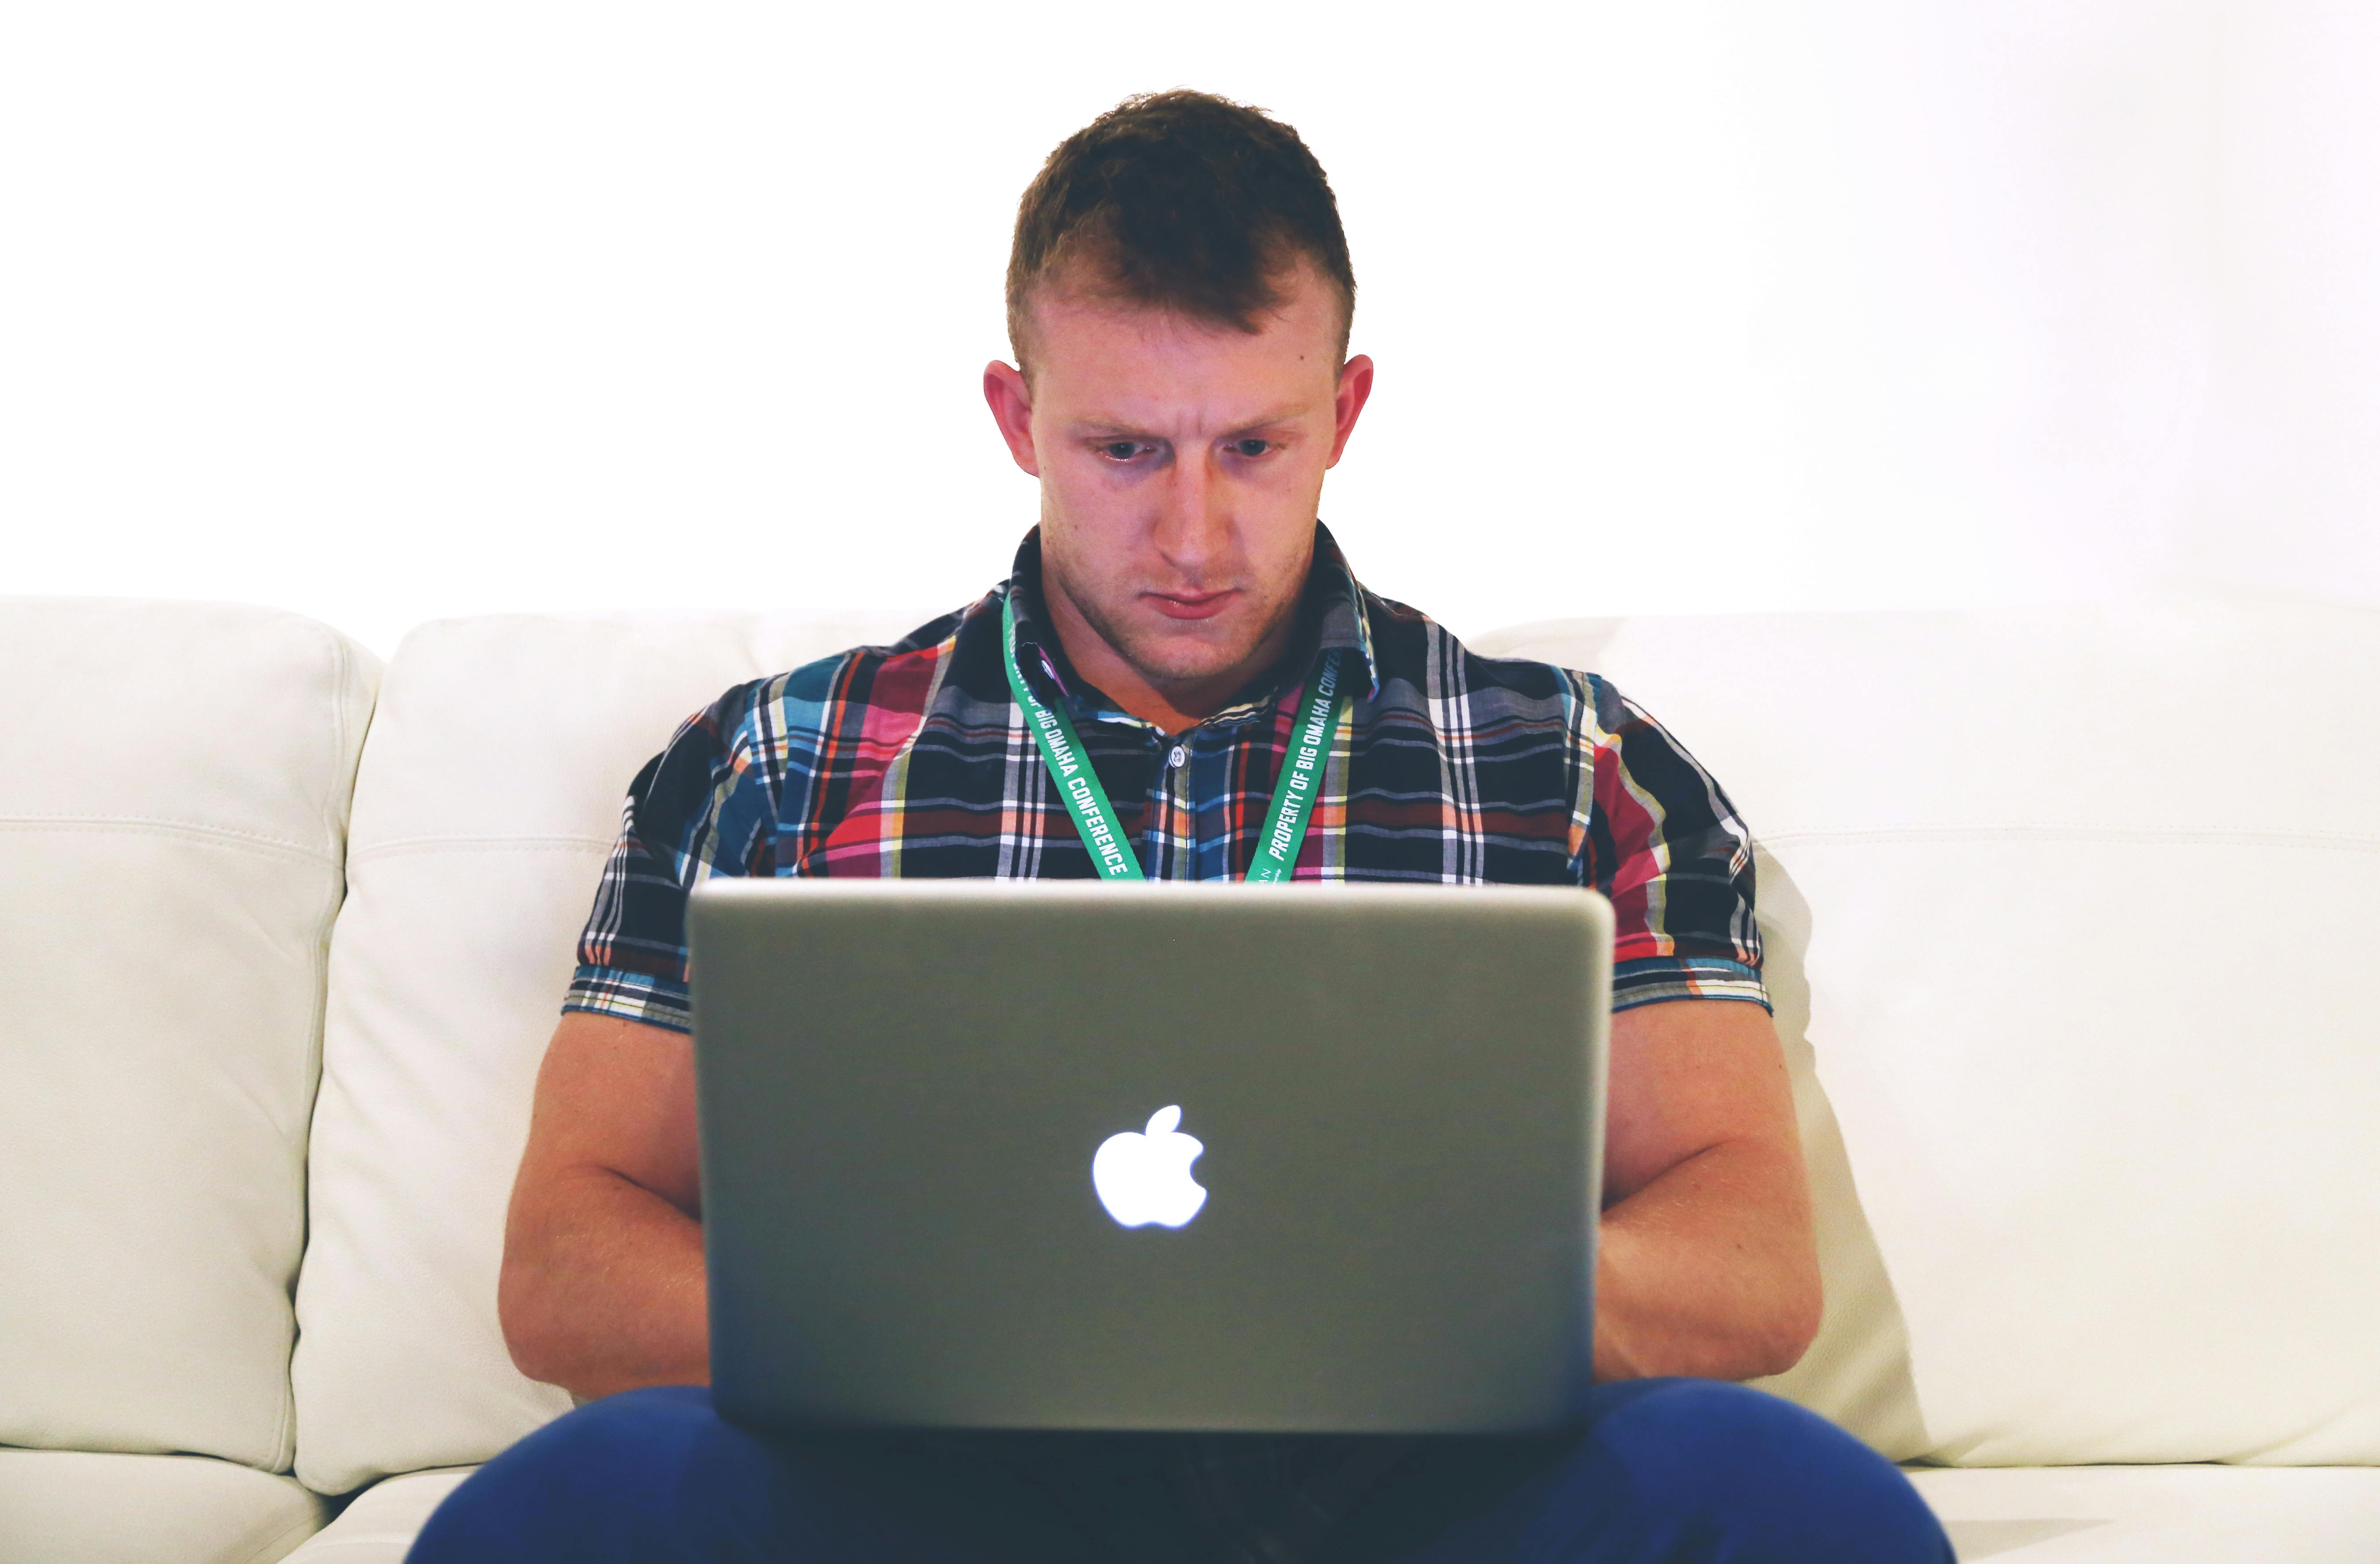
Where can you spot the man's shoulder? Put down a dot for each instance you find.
(1412, 648)
(822, 696)
(874, 674)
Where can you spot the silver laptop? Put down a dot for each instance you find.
(1015, 1155)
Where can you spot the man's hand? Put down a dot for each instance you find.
(603, 1287)
(1707, 1264)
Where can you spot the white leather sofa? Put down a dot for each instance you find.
(2073, 919)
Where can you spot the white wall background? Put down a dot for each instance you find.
(383, 313)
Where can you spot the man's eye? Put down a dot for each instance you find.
(1251, 447)
(1121, 450)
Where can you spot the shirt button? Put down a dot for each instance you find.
(1179, 756)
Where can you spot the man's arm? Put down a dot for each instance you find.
(603, 1287)
(1707, 1263)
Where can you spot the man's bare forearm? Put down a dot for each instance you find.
(1708, 1271)
(604, 1289)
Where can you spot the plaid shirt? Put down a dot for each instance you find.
(914, 760)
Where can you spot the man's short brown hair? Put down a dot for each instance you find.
(1181, 200)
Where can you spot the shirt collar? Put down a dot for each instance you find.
(1345, 625)
(1331, 616)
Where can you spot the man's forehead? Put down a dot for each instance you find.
(1158, 414)
(1101, 356)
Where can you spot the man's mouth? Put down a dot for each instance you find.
(1191, 605)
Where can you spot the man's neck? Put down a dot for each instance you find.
(1171, 704)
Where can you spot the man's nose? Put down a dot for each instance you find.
(1194, 511)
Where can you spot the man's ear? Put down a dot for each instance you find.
(1011, 408)
(1354, 390)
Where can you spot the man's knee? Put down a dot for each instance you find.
(1753, 1477)
(594, 1484)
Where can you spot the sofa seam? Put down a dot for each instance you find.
(222, 835)
(2179, 836)
(336, 829)
(281, 1540)
(539, 843)
(349, 768)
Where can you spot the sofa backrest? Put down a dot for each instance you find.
(487, 799)
(2068, 907)
(174, 783)
(2076, 909)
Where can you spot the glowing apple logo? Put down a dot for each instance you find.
(1146, 1178)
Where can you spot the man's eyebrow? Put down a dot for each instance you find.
(1282, 416)
(1108, 423)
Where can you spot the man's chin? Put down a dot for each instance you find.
(1165, 660)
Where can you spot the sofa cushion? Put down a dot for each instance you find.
(2022, 1515)
(2075, 909)
(2157, 1514)
(488, 796)
(382, 1523)
(79, 1507)
(174, 781)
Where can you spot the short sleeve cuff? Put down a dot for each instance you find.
(1657, 979)
(631, 996)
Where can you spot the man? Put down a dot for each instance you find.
(1180, 298)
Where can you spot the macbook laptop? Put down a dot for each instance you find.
(1020, 1155)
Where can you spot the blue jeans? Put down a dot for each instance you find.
(1667, 1470)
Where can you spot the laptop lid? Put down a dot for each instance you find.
(983, 1154)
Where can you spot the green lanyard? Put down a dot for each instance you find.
(1095, 817)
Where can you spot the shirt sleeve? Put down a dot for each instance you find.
(1659, 838)
(697, 808)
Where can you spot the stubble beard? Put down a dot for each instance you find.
(1183, 663)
